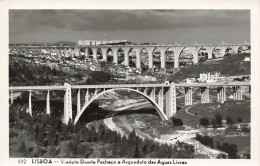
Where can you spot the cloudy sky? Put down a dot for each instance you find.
(160, 26)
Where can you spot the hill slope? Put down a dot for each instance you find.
(229, 66)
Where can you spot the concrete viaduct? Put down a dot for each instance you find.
(177, 49)
(162, 96)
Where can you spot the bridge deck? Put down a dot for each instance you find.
(45, 88)
(28, 88)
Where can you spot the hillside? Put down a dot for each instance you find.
(229, 66)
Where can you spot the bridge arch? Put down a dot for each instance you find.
(169, 53)
(184, 57)
(158, 109)
(99, 53)
(132, 57)
(109, 53)
(144, 58)
(121, 55)
(203, 54)
(157, 57)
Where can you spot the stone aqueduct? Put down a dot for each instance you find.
(177, 50)
(162, 96)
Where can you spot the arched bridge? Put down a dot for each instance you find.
(162, 96)
(177, 50)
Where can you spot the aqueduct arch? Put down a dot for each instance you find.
(157, 107)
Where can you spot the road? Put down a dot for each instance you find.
(170, 139)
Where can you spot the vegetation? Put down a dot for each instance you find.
(229, 66)
(231, 149)
(238, 111)
(44, 136)
(204, 121)
(205, 140)
(177, 121)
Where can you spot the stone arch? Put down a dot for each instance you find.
(203, 54)
(185, 56)
(82, 51)
(144, 58)
(90, 52)
(158, 109)
(110, 57)
(132, 57)
(240, 49)
(169, 53)
(157, 58)
(99, 53)
(120, 55)
(216, 52)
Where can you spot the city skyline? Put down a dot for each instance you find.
(159, 26)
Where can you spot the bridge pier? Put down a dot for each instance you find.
(48, 109)
(86, 53)
(76, 51)
(162, 51)
(78, 101)
(170, 98)
(146, 91)
(126, 57)
(238, 93)
(223, 50)
(152, 94)
(188, 96)
(30, 103)
(67, 104)
(104, 53)
(221, 94)
(235, 48)
(160, 98)
(177, 52)
(204, 95)
(12, 97)
(115, 57)
(87, 96)
(138, 58)
(150, 59)
(94, 50)
(195, 52)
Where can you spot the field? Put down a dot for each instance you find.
(234, 109)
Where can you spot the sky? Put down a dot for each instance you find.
(157, 26)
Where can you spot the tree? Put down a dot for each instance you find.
(199, 137)
(230, 121)
(177, 121)
(214, 123)
(230, 149)
(204, 121)
(239, 120)
(22, 149)
(218, 118)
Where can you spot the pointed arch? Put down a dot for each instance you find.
(132, 57)
(99, 53)
(110, 57)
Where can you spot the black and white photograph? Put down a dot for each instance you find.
(152, 86)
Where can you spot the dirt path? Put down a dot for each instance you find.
(112, 126)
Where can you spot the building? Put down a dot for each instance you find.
(98, 42)
(211, 77)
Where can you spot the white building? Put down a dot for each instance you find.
(98, 42)
(211, 77)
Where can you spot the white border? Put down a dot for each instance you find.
(253, 5)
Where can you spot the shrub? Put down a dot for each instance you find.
(100, 76)
(204, 121)
(177, 121)
(205, 140)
